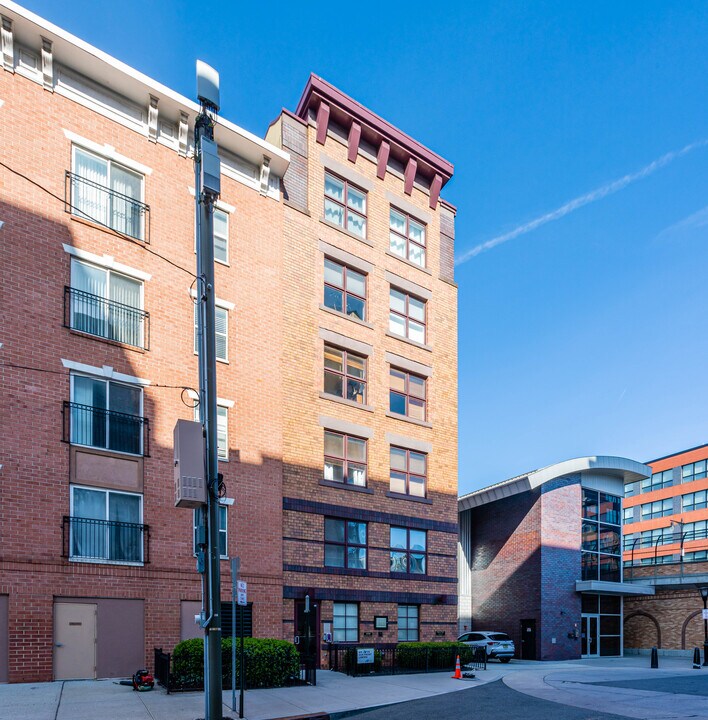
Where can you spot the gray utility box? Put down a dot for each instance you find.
(190, 481)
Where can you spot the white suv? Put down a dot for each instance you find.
(498, 645)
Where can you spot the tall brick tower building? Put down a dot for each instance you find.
(337, 370)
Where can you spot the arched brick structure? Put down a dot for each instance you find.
(685, 625)
(641, 613)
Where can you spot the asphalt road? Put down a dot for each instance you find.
(686, 684)
(494, 700)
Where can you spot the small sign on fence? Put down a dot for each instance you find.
(364, 655)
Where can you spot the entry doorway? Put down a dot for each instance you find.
(528, 640)
(74, 641)
(307, 631)
(590, 636)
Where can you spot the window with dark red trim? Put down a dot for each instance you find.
(345, 544)
(344, 459)
(344, 374)
(344, 289)
(345, 205)
(408, 551)
(407, 237)
(408, 472)
(406, 316)
(407, 394)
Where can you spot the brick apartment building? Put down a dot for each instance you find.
(666, 545)
(540, 559)
(337, 372)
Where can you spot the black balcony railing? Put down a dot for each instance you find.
(100, 204)
(105, 540)
(106, 429)
(109, 319)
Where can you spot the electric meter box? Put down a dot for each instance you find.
(190, 477)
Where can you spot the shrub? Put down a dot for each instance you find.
(432, 655)
(268, 662)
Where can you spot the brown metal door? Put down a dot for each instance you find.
(74, 641)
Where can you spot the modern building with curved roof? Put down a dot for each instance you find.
(540, 558)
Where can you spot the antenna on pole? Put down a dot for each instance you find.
(208, 86)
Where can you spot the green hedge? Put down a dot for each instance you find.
(268, 662)
(432, 655)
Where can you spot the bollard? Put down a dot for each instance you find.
(696, 659)
(654, 657)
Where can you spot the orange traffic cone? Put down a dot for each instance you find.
(458, 670)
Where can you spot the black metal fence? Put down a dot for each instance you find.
(308, 671)
(391, 660)
(162, 669)
(105, 540)
(105, 206)
(95, 315)
(106, 429)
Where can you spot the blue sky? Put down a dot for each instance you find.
(585, 334)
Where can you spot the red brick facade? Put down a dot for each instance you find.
(272, 382)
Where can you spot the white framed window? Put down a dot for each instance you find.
(346, 622)
(107, 304)
(106, 525)
(222, 333)
(222, 430)
(106, 414)
(223, 531)
(408, 616)
(107, 193)
(221, 236)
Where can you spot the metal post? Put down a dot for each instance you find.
(705, 630)
(235, 564)
(242, 666)
(205, 197)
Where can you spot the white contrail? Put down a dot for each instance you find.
(597, 194)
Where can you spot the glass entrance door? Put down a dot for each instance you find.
(590, 635)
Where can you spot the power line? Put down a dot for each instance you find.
(94, 220)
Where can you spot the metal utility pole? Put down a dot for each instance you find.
(207, 176)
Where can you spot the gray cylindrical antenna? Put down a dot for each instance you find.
(208, 85)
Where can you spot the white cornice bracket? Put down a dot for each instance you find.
(6, 40)
(265, 175)
(183, 133)
(152, 118)
(47, 65)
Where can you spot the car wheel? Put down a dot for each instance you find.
(504, 660)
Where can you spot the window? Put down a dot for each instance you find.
(406, 316)
(344, 290)
(107, 193)
(696, 530)
(407, 394)
(601, 536)
(221, 236)
(344, 374)
(106, 414)
(106, 525)
(221, 318)
(345, 544)
(695, 556)
(345, 205)
(223, 531)
(660, 508)
(407, 237)
(345, 459)
(346, 622)
(408, 623)
(631, 489)
(693, 471)
(408, 551)
(658, 481)
(106, 304)
(408, 472)
(658, 536)
(628, 515)
(691, 501)
(222, 430)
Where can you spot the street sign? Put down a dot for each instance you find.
(705, 614)
(242, 592)
(364, 655)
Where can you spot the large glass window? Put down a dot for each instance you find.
(406, 316)
(601, 536)
(408, 551)
(345, 624)
(658, 480)
(345, 544)
(106, 415)
(344, 374)
(407, 394)
(631, 489)
(408, 616)
(693, 471)
(221, 317)
(408, 472)
(659, 508)
(345, 205)
(691, 501)
(344, 459)
(107, 193)
(344, 289)
(407, 237)
(106, 525)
